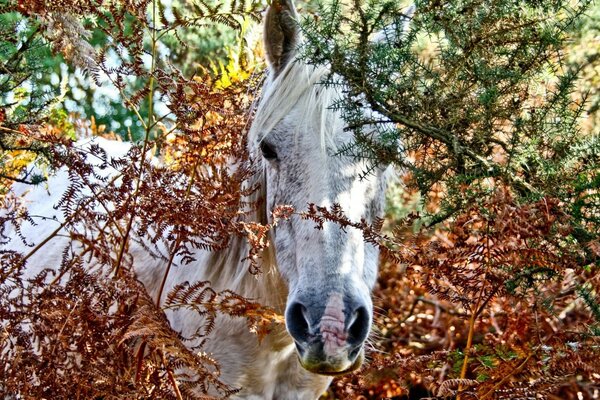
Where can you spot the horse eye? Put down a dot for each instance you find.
(268, 151)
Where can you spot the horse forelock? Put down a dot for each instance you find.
(298, 86)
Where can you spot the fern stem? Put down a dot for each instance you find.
(140, 361)
(11, 130)
(506, 377)
(148, 128)
(177, 242)
(123, 245)
(463, 371)
(171, 378)
(475, 311)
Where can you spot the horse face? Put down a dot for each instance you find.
(330, 271)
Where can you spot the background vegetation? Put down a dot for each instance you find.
(489, 281)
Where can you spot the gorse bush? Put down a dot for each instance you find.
(479, 92)
(488, 288)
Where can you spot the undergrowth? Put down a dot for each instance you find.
(495, 299)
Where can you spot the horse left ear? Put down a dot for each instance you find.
(281, 34)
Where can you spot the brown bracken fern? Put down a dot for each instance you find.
(84, 327)
(488, 307)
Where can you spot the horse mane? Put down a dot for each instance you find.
(298, 85)
(228, 269)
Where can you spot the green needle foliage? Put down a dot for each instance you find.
(478, 93)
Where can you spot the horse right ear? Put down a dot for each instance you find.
(281, 34)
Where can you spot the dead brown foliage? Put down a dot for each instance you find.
(86, 328)
(496, 304)
(488, 307)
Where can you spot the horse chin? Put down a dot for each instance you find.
(328, 369)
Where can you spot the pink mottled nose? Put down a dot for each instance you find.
(333, 330)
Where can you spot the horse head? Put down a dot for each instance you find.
(296, 139)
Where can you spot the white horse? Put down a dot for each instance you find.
(321, 280)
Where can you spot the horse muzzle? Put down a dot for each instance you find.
(329, 339)
(314, 359)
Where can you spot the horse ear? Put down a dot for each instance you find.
(281, 33)
(394, 32)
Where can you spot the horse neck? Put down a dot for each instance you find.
(229, 269)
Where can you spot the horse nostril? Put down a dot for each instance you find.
(358, 327)
(298, 322)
